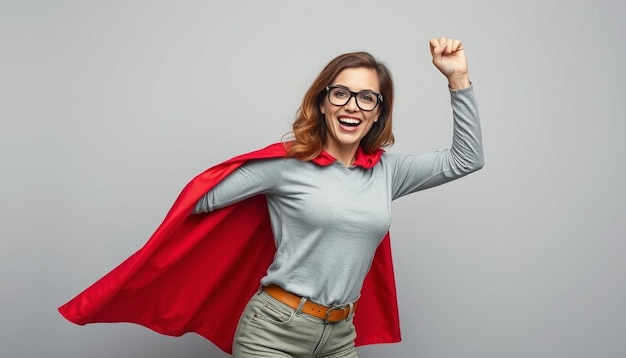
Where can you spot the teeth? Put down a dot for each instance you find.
(349, 120)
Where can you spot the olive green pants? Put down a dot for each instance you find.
(269, 328)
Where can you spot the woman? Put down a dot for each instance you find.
(307, 218)
(329, 219)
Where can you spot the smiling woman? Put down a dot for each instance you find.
(285, 251)
(347, 123)
(311, 134)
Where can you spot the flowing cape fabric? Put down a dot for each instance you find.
(197, 272)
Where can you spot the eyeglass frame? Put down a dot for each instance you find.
(379, 97)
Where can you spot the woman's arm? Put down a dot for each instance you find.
(412, 173)
(252, 178)
(418, 172)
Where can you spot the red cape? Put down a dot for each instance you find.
(197, 272)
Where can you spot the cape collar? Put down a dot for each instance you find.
(364, 160)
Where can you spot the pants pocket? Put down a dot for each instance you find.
(268, 309)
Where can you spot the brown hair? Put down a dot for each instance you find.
(309, 128)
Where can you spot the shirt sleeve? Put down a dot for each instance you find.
(252, 178)
(411, 173)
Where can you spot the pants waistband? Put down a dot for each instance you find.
(329, 314)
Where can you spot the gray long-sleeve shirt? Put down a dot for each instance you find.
(328, 220)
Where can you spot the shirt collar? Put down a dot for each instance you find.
(364, 160)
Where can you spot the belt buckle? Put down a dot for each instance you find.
(345, 309)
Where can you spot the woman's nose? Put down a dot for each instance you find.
(351, 105)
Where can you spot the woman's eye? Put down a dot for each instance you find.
(367, 97)
(340, 94)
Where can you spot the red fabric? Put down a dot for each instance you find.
(197, 272)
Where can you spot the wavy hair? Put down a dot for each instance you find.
(309, 128)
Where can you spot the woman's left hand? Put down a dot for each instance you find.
(449, 58)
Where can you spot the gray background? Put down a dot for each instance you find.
(108, 108)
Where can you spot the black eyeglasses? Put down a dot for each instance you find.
(365, 100)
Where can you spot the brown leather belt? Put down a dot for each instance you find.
(329, 314)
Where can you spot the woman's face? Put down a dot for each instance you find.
(348, 124)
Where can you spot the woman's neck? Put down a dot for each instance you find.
(345, 155)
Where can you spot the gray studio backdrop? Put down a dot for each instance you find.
(109, 108)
